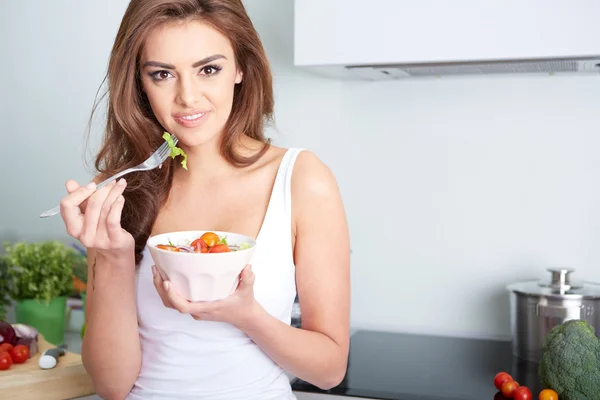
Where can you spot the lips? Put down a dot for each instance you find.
(191, 119)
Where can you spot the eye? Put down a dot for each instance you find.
(210, 70)
(160, 75)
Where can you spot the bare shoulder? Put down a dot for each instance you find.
(312, 177)
(316, 199)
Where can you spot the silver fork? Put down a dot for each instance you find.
(155, 160)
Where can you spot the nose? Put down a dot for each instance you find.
(188, 92)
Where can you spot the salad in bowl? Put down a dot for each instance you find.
(201, 265)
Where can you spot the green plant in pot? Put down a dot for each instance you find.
(5, 287)
(42, 280)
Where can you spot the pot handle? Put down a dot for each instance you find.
(565, 313)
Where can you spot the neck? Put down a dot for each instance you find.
(205, 162)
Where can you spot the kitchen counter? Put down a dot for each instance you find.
(395, 366)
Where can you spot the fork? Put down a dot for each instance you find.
(155, 160)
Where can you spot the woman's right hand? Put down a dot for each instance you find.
(94, 218)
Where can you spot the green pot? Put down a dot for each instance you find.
(47, 317)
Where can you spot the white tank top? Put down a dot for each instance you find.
(187, 359)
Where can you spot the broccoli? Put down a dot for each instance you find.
(570, 363)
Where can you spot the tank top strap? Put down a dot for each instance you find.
(287, 167)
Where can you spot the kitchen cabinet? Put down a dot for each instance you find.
(348, 39)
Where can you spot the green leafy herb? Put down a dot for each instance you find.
(175, 151)
(6, 284)
(223, 240)
(41, 271)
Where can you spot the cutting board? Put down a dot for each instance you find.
(28, 381)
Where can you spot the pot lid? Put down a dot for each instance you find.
(559, 284)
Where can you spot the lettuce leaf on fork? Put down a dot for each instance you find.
(175, 151)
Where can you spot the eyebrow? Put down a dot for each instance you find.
(195, 65)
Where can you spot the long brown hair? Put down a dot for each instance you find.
(132, 131)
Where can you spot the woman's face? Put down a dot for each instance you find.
(188, 73)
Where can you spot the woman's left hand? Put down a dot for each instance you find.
(237, 309)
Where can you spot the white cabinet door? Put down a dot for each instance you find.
(321, 396)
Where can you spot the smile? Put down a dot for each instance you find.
(193, 117)
(191, 120)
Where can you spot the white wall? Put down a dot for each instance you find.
(453, 188)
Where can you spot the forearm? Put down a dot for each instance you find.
(111, 347)
(311, 356)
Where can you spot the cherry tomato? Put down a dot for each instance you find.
(210, 238)
(5, 361)
(200, 246)
(509, 388)
(548, 394)
(167, 247)
(5, 347)
(19, 354)
(219, 248)
(522, 393)
(500, 378)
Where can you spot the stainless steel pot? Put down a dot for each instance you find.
(538, 306)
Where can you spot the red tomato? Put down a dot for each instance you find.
(522, 393)
(167, 247)
(548, 394)
(5, 347)
(219, 248)
(200, 246)
(19, 354)
(210, 238)
(509, 388)
(5, 361)
(500, 378)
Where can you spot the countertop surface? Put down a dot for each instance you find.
(397, 366)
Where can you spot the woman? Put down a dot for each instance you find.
(197, 69)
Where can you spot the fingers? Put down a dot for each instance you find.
(158, 284)
(71, 186)
(92, 216)
(198, 310)
(247, 277)
(70, 211)
(113, 220)
(176, 301)
(108, 208)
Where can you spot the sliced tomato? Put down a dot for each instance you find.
(200, 246)
(168, 247)
(219, 248)
(210, 238)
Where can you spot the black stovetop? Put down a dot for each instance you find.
(396, 366)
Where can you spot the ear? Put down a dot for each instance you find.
(239, 76)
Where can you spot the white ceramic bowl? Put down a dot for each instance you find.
(201, 276)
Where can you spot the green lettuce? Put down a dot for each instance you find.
(175, 151)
